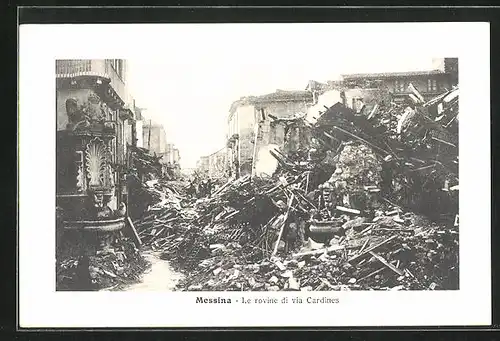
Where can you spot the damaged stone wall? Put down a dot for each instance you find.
(357, 98)
(274, 132)
(245, 120)
(298, 137)
(217, 163)
(322, 221)
(323, 100)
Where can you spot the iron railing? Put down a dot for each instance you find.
(94, 67)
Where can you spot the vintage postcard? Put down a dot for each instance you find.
(243, 175)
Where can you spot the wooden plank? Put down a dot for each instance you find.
(367, 229)
(328, 284)
(361, 139)
(416, 93)
(134, 234)
(386, 263)
(372, 273)
(371, 249)
(319, 251)
(373, 112)
(347, 210)
(444, 142)
(364, 245)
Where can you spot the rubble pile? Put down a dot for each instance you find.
(115, 264)
(145, 163)
(416, 143)
(190, 226)
(380, 255)
(144, 167)
(356, 179)
(348, 214)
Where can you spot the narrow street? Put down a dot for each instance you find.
(159, 277)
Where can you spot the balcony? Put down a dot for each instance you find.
(81, 67)
(102, 68)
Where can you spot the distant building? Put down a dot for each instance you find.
(171, 155)
(176, 159)
(203, 165)
(170, 158)
(188, 172)
(217, 163)
(250, 125)
(138, 128)
(429, 83)
(154, 137)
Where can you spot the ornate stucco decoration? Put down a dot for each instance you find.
(93, 109)
(80, 178)
(82, 115)
(97, 157)
(76, 117)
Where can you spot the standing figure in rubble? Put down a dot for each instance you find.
(291, 232)
(209, 187)
(201, 189)
(191, 191)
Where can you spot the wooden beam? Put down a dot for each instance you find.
(371, 249)
(386, 263)
(133, 232)
(319, 251)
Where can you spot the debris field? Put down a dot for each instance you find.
(370, 204)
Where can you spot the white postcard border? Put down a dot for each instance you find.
(41, 306)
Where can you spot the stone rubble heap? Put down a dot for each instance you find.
(373, 204)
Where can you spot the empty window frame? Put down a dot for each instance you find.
(432, 85)
(118, 66)
(400, 86)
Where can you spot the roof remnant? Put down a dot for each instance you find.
(277, 96)
(392, 74)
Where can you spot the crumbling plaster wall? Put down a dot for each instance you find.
(157, 141)
(271, 133)
(355, 98)
(245, 118)
(275, 133)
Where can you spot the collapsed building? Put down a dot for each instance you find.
(252, 127)
(333, 188)
(371, 204)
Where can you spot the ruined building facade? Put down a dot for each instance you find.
(217, 164)
(254, 124)
(430, 83)
(95, 121)
(203, 165)
(154, 137)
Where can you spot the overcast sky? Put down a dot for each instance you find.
(190, 83)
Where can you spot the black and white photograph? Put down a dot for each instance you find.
(263, 166)
(344, 184)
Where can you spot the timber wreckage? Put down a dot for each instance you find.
(361, 197)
